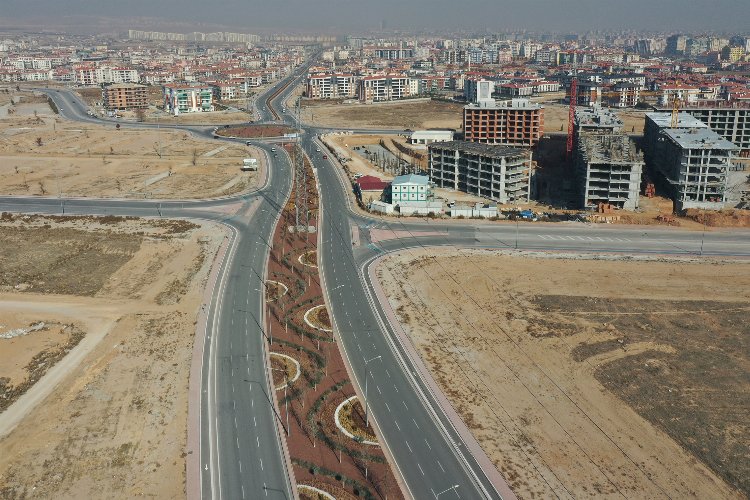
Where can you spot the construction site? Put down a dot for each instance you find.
(609, 169)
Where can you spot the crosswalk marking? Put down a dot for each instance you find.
(550, 237)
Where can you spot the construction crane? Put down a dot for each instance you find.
(572, 111)
(675, 112)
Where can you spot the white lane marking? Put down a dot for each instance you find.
(420, 468)
(255, 422)
(396, 422)
(387, 373)
(415, 423)
(243, 486)
(235, 422)
(428, 445)
(404, 402)
(257, 441)
(378, 388)
(441, 465)
(261, 463)
(389, 408)
(237, 440)
(408, 446)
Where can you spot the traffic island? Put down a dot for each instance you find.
(298, 325)
(286, 370)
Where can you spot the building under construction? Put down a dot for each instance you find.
(692, 159)
(500, 173)
(731, 120)
(607, 164)
(609, 170)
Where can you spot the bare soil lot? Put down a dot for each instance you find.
(396, 115)
(589, 378)
(127, 291)
(556, 119)
(45, 155)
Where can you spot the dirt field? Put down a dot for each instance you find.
(397, 115)
(118, 299)
(589, 378)
(45, 155)
(556, 119)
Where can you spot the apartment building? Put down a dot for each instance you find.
(125, 96)
(694, 161)
(187, 99)
(500, 173)
(516, 122)
(331, 86)
(386, 88)
(89, 75)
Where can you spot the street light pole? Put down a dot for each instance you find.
(367, 373)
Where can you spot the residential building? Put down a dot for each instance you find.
(500, 173)
(386, 88)
(693, 161)
(331, 86)
(410, 188)
(516, 122)
(125, 96)
(187, 99)
(628, 94)
(609, 169)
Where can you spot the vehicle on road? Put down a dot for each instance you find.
(325, 157)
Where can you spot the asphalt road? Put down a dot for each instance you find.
(240, 447)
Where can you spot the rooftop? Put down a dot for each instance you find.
(609, 149)
(684, 120)
(411, 179)
(699, 138)
(509, 104)
(598, 117)
(490, 150)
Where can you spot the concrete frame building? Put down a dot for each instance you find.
(500, 173)
(517, 122)
(731, 120)
(694, 161)
(609, 170)
(125, 96)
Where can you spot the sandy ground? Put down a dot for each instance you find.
(589, 378)
(45, 155)
(556, 119)
(397, 115)
(114, 424)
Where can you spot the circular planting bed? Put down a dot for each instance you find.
(350, 419)
(309, 258)
(254, 131)
(275, 290)
(290, 367)
(318, 318)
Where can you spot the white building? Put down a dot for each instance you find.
(186, 99)
(410, 188)
(425, 137)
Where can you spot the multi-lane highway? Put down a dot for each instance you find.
(241, 452)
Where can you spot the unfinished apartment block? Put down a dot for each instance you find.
(500, 173)
(694, 161)
(609, 169)
(517, 122)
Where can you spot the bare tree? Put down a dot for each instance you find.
(42, 188)
(195, 156)
(157, 149)
(39, 141)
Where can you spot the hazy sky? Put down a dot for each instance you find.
(345, 15)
